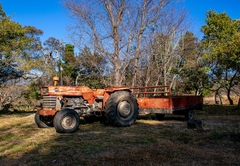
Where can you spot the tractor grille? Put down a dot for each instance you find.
(49, 102)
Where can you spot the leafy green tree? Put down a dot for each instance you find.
(91, 69)
(19, 58)
(32, 94)
(193, 75)
(221, 44)
(15, 45)
(68, 65)
(2, 13)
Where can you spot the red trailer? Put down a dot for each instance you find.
(160, 101)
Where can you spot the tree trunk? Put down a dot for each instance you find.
(117, 76)
(216, 97)
(238, 106)
(137, 56)
(229, 97)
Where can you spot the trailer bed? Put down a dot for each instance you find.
(159, 100)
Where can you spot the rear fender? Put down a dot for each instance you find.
(109, 91)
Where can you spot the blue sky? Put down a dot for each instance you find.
(47, 15)
(198, 8)
(51, 17)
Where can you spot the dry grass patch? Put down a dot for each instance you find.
(147, 142)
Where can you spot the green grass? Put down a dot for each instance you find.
(147, 142)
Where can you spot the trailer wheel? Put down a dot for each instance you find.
(189, 115)
(121, 109)
(43, 121)
(160, 116)
(66, 121)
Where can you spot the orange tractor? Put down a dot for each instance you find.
(63, 106)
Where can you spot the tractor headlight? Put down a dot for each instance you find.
(45, 90)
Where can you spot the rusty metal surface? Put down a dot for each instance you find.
(47, 112)
(186, 100)
(84, 91)
(67, 90)
(158, 99)
(169, 104)
(112, 89)
(98, 92)
(154, 102)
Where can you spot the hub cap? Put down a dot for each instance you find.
(68, 122)
(191, 114)
(124, 109)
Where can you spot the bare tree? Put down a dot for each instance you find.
(9, 93)
(165, 49)
(117, 29)
(167, 59)
(51, 52)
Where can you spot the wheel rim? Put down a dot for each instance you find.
(68, 122)
(190, 114)
(124, 109)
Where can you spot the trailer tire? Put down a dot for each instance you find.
(43, 122)
(160, 116)
(189, 115)
(121, 109)
(66, 121)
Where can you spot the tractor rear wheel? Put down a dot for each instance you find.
(66, 121)
(121, 109)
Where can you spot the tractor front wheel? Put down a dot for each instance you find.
(66, 121)
(43, 121)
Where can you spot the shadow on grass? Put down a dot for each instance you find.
(16, 112)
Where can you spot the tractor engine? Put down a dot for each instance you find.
(80, 105)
